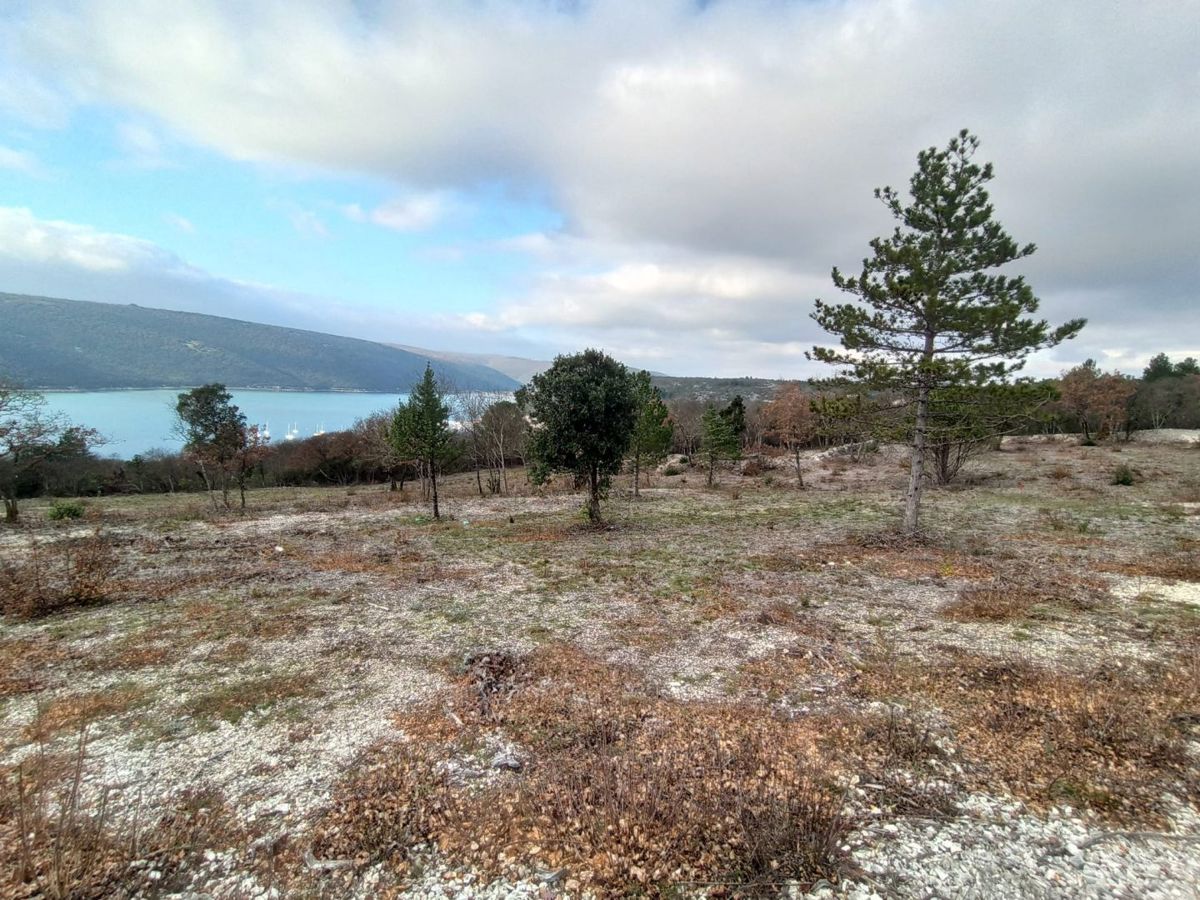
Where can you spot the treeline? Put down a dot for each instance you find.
(42, 456)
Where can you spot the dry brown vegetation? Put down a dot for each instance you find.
(59, 575)
(61, 843)
(686, 695)
(625, 791)
(1109, 739)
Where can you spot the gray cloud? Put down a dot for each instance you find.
(740, 141)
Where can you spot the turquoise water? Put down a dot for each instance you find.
(137, 421)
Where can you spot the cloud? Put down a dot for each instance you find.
(21, 161)
(66, 259)
(182, 223)
(142, 146)
(693, 150)
(417, 212)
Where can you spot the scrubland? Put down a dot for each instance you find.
(742, 690)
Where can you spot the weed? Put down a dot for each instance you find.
(56, 844)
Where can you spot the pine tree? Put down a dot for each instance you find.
(421, 430)
(717, 441)
(930, 313)
(652, 432)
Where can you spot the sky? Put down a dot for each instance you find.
(669, 180)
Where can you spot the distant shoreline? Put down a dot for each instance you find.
(231, 387)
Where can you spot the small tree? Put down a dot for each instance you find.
(214, 436)
(1097, 401)
(583, 410)
(718, 441)
(421, 430)
(735, 414)
(965, 420)
(652, 433)
(504, 430)
(791, 422)
(29, 438)
(933, 315)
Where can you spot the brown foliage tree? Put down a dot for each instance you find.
(1098, 401)
(789, 420)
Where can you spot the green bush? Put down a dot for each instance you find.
(672, 470)
(1123, 475)
(66, 509)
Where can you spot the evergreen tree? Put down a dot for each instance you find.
(735, 415)
(652, 432)
(717, 441)
(583, 410)
(421, 430)
(1186, 367)
(1160, 367)
(930, 313)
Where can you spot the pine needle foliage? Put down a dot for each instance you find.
(931, 312)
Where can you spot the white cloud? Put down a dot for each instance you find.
(143, 146)
(707, 162)
(417, 212)
(27, 239)
(21, 161)
(181, 222)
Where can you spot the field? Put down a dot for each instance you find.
(748, 689)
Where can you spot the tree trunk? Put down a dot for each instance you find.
(637, 471)
(593, 505)
(916, 476)
(712, 466)
(11, 510)
(433, 487)
(799, 474)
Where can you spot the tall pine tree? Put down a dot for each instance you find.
(421, 430)
(931, 312)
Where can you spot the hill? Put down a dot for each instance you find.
(49, 344)
(515, 367)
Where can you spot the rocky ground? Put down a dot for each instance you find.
(1007, 707)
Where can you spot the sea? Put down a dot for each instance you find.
(133, 422)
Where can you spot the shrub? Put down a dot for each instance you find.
(624, 790)
(752, 468)
(66, 509)
(1123, 475)
(58, 575)
(672, 470)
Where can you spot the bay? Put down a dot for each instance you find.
(139, 421)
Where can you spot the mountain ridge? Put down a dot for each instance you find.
(52, 343)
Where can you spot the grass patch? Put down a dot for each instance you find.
(233, 702)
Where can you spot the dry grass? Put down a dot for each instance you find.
(56, 843)
(232, 702)
(58, 575)
(1181, 567)
(72, 712)
(627, 792)
(1111, 739)
(24, 662)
